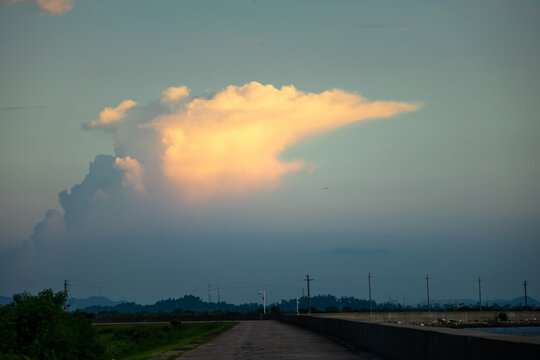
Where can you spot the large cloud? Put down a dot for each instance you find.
(201, 148)
(56, 7)
(231, 142)
(109, 235)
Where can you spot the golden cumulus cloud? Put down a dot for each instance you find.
(56, 7)
(111, 115)
(174, 94)
(231, 143)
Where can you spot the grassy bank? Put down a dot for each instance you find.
(143, 341)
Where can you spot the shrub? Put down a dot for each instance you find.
(38, 328)
(14, 357)
(275, 310)
(176, 323)
(503, 316)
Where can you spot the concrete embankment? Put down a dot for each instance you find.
(398, 341)
(446, 318)
(470, 317)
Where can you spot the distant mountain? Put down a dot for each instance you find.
(196, 304)
(97, 304)
(327, 303)
(188, 302)
(517, 301)
(76, 303)
(443, 302)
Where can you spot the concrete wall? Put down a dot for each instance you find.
(415, 342)
(410, 317)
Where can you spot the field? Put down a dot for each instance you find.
(144, 341)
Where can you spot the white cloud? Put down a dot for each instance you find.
(111, 115)
(133, 173)
(174, 94)
(230, 144)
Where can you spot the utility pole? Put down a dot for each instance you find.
(209, 293)
(263, 293)
(525, 288)
(479, 294)
(369, 283)
(297, 302)
(427, 287)
(308, 280)
(219, 293)
(66, 294)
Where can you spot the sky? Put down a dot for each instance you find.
(149, 149)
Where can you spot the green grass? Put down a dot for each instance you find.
(143, 341)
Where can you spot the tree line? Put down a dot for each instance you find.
(37, 327)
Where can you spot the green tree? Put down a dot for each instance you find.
(8, 329)
(39, 328)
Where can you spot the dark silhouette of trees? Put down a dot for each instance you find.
(37, 327)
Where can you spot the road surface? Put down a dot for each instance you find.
(271, 340)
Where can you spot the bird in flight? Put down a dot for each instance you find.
(325, 188)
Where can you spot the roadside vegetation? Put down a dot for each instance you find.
(143, 341)
(38, 327)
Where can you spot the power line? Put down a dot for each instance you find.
(128, 288)
(149, 288)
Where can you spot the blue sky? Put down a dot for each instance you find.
(450, 189)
